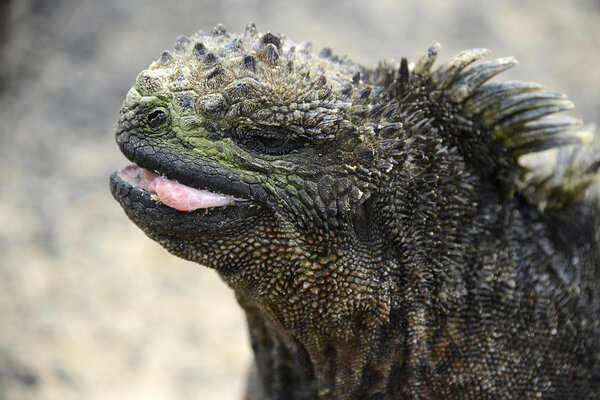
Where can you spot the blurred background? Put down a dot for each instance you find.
(92, 309)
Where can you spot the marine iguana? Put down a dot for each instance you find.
(375, 223)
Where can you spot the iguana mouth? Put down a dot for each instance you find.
(196, 198)
(172, 193)
(176, 208)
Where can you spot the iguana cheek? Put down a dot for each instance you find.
(171, 193)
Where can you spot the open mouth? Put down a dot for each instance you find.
(172, 193)
(166, 205)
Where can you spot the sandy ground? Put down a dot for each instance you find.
(89, 307)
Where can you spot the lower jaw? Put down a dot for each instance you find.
(148, 213)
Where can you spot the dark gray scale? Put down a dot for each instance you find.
(216, 72)
(447, 74)
(182, 44)
(326, 52)
(250, 30)
(234, 46)
(365, 93)
(165, 58)
(493, 92)
(425, 63)
(199, 51)
(517, 104)
(210, 59)
(269, 54)
(290, 67)
(475, 76)
(249, 62)
(321, 80)
(219, 30)
(269, 38)
(403, 73)
(346, 91)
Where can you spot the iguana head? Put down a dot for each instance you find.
(287, 147)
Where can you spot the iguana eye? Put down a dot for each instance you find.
(157, 117)
(271, 142)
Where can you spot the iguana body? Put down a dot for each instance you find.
(374, 224)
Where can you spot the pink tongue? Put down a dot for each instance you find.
(171, 193)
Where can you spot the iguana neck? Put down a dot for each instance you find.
(368, 353)
(363, 365)
(365, 342)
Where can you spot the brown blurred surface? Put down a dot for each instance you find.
(92, 309)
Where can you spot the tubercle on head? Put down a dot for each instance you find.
(264, 79)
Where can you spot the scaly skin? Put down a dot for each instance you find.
(384, 242)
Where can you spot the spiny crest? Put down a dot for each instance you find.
(575, 175)
(520, 115)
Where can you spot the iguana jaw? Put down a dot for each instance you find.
(149, 213)
(172, 193)
(230, 202)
